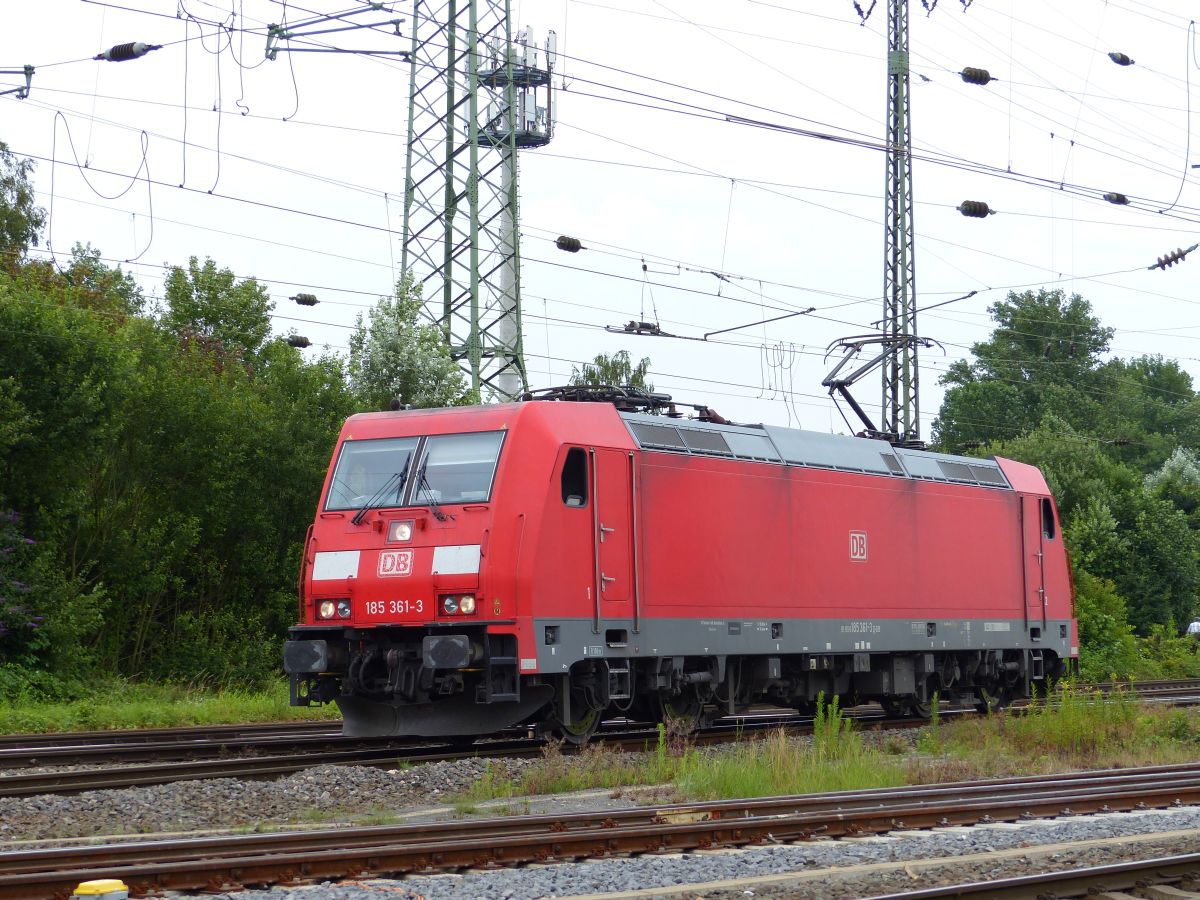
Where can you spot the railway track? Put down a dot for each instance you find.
(226, 735)
(1178, 875)
(160, 756)
(152, 736)
(215, 863)
(382, 752)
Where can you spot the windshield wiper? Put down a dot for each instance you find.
(424, 485)
(398, 479)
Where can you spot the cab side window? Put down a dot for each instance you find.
(575, 478)
(1048, 530)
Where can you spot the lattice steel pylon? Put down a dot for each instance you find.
(473, 103)
(901, 404)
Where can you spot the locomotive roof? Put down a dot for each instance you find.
(812, 449)
(697, 437)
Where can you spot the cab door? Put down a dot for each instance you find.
(612, 522)
(1034, 564)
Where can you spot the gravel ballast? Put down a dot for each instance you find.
(667, 874)
(329, 794)
(324, 793)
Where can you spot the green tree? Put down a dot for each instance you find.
(99, 287)
(1041, 358)
(1149, 409)
(210, 304)
(1107, 646)
(21, 219)
(1077, 467)
(393, 356)
(616, 370)
(1161, 573)
(167, 496)
(1178, 481)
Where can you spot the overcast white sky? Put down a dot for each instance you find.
(789, 221)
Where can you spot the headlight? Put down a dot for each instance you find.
(457, 604)
(400, 531)
(326, 609)
(343, 609)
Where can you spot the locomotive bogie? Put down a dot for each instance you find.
(552, 564)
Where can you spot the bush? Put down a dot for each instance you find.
(221, 649)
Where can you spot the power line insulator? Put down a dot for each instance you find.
(298, 340)
(975, 76)
(122, 52)
(305, 299)
(1114, 197)
(975, 209)
(1173, 257)
(570, 244)
(1120, 59)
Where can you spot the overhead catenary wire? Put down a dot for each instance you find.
(618, 70)
(1099, 392)
(816, 352)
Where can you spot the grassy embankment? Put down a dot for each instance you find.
(133, 705)
(1077, 729)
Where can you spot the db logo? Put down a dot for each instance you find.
(395, 562)
(858, 545)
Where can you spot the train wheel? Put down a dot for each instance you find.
(920, 709)
(991, 698)
(893, 707)
(579, 731)
(682, 713)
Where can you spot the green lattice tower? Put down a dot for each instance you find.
(901, 407)
(473, 103)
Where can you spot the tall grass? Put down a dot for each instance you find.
(1078, 721)
(1075, 727)
(834, 760)
(123, 704)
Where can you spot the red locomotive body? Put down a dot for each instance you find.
(551, 562)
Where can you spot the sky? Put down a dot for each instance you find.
(292, 171)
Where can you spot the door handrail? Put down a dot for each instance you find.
(633, 518)
(597, 585)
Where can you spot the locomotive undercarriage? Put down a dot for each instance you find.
(431, 681)
(699, 689)
(464, 681)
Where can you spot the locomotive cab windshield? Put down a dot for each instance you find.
(450, 468)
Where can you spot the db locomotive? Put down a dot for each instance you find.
(553, 563)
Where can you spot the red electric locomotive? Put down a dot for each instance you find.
(556, 562)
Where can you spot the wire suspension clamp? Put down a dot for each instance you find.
(21, 92)
(277, 34)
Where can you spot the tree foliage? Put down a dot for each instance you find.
(395, 357)
(157, 474)
(616, 370)
(1115, 439)
(21, 219)
(210, 304)
(1042, 357)
(159, 467)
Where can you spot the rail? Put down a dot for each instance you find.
(286, 857)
